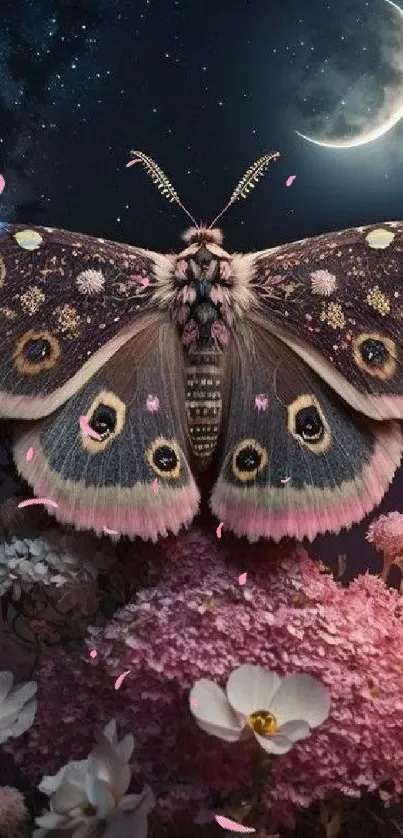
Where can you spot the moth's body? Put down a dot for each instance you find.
(266, 362)
(203, 322)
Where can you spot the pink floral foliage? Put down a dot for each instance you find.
(197, 621)
(386, 533)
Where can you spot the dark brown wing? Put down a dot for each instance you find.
(67, 303)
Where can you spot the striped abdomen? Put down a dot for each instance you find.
(203, 403)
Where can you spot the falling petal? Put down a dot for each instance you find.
(155, 485)
(119, 681)
(152, 403)
(286, 480)
(233, 826)
(30, 454)
(107, 531)
(290, 180)
(219, 530)
(131, 163)
(2, 183)
(261, 401)
(242, 578)
(87, 430)
(36, 501)
(93, 653)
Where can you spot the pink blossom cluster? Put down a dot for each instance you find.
(195, 621)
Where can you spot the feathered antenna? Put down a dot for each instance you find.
(249, 180)
(160, 179)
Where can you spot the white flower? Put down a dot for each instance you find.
(323, 283)
(88, 796)
(279, 711)
(90, 282)
(17, 706)
(56, 558)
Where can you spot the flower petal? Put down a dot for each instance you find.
(295, 730)
(105, 764)
(51, 782)
(71, 792)
(212, 711)
(301, 696)
(6, 682)
(125, 747)
(251, 688)
(99, 795)
(276, 744)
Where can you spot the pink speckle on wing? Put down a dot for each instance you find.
(36, 502)
(285, 480)
(152, 403)
(233, 826)
(242, 578)
(87, 430)
(2, 183)
(145, 281)
(261, 401)
(119, 681)
(218, 531)
(290, 180)
(107, 531)
(93, 653)
(194, 702)
(30, 454)
(155, 486)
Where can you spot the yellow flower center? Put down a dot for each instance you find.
(263, 722)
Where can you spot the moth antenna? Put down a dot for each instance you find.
(248, 181)
(161, 181)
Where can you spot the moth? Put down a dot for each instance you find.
(127, 373)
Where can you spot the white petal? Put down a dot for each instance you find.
(51, 782)
(251, 688)
(301, 696)
(99, 795)
(212, 711)
(25, 718)
(71, 792)
(276, 744)
(18, 697)
(86, 829)
(295, 730)
(125, 747)
(110, 731)
(127, 826)
(6, 682)
(105, 764)
(144, 801)
(50, 820)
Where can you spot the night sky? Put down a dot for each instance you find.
(205, 88)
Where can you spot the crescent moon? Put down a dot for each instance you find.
(370, 136)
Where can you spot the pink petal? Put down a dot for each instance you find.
(233, 826)
(242, 578)
(290, 180)
(2, 183)
(145, 281)
(93, 653)
(107, 531)
(87, 430)
(218, 531)
(131, 163)
(30, 454)
(119, 681)
(286, 480)
(36, 501)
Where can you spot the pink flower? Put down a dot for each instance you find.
(289, 618)
(13, 810)
(386, 533)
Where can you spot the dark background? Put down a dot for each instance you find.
(204, 88)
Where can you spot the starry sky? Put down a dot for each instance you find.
(205, 88)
